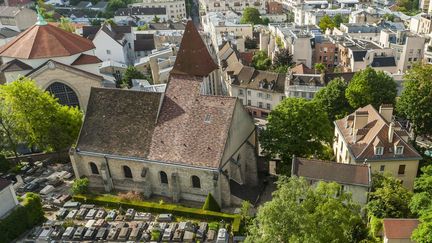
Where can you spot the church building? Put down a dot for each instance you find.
(60, 62)
(180, 144)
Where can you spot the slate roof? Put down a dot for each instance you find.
(359, 55)
(83, 4)
(89, 32)
(360, 142)
(4, 183)
(144, 42)
(131, 11)
(383, 62)
(86, 59)
(399, 228)
(193, 57)
(100, 5)
(7, 33)
(331, 171)
(14, 65)
(45, 41)
(6, 11)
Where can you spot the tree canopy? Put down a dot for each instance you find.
(415, 103)
(261, 61)
(66, 25)
(296, 127)
(389, 199)
(130, 73)
(332, 99)
(251, 16)
(282, 61)
(421, 204)
(326, 23)
(34, 117)
(371, 87)
(301, 213)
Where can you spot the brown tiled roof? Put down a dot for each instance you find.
(302, 69)
(332, 171)
(45, 41)
(246, 57)
(193, 57)
(176, 137)
(119, 122)
(66, 67)
(361, 143)
(15, 65)
(399, 228)
(86, 59)
(4, 183)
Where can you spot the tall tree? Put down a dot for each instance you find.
(371, 87)
(296, 127)
(389, 198)
(338, 19)
(332, 99)
(130, 73)
(320, 67)
(261, 61)
(283, 58)
(37, 118)
(299, 212)
(415, 103)
(421, 204)
(251, 16)
(326, 23)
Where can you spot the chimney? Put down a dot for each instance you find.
(386, 111)
(391, 132)
(360, 119)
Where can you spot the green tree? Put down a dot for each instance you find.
(130, 73)
(301, 213)
(326, 23)
(211, 204)
(332, 99)
(389, 17)
(389, 198)
(251, 16)
(261, 61)
(421, 204)
(371, 87)
(296, 127)
(320, 67)
(338, 19)
(113, 5)
(415, 103)
(282, 58)
(37, 118)
(80, 186)
(155, 19)
(66, 25)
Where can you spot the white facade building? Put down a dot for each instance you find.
(175, 9)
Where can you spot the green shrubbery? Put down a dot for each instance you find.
(22, 218)
(80, 186)
(210, 204)
(151, 207)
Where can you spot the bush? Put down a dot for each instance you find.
(80, 186)
(211, 204)
(155, 235)
(22, 218)
(151, 207)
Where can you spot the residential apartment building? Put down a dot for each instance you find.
(259, 91)
(325, 52)
(175, 9)
(160, 62)
(354, 179)
(372, 137)
(16, 18)
(228, 5)
(421, 24)
(140, 15)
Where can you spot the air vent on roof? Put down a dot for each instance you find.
(207, 118)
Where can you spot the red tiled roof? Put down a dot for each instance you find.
(86, 59)
(4, 183)
(399, 228)
(45, 41)
(193, 57)
(361, 142)
(331, 171)
(246, 57)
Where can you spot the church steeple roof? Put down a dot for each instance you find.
(193, 57)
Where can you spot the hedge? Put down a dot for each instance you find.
(22, 218)
(151, 207)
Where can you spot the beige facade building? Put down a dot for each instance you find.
(175, 9)
(372, 137)
(227, 5)
(179, 144)
(16, 18)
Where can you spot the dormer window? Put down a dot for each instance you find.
(399, 150)
(379, 150)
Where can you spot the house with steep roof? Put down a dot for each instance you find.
(355, 179)
(181, 144)
(60, 62)
(399, 230)
(112, 42)
(375, 138)
(16, 18)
